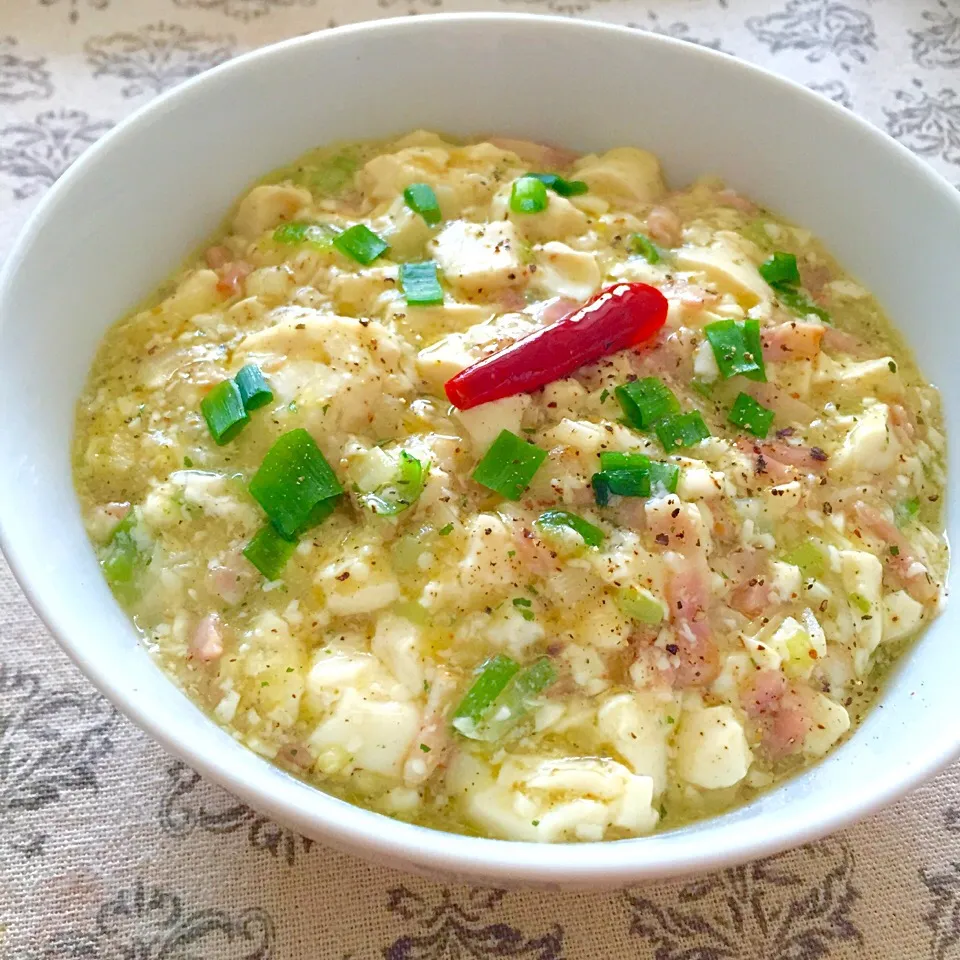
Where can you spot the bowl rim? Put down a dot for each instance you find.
(376, 835)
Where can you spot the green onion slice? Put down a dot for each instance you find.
(750, 415)
(253, 387)
(420, 284)
(809, 558)
(492, 677)
(646, 248)
(664, 478)
(565, 188)
(224, 411)
(421, 199)
(360, 243)
(781, 268)
(529, 195)
(509, 465)
(269, 552)
(401, 492)
(295, 485)
(592, 536)
(800, 303)
(737, 348)
(646, 401)
(313, 235)
(512, 704)
(121, 557)
(628, 482)
(613, 460)
(640, 605)
(905, 511)
(334, 173)
(681, 431)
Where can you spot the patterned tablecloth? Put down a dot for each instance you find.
(111, 849)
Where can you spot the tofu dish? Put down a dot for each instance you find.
(503, 490)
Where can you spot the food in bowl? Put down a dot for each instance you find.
(499, 489)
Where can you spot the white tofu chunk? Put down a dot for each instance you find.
(624, 175)
(635, 726)
(871, 445)
(485, 423)
(830, 721)
(376, 734)
(730, 269)
(480, 257)
(267, 206)
(565, 272)
(879, 377)
(357, 583)
(902, 615)
(862, 574)
(712, 749)
(444, 359)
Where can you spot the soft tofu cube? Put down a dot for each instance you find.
(901, 615)
(623, 175)
(480, 257)
(485, 423)
(357, 584)
(634, 725)
(829, 722)
(878, 377)
(731, 270)
(565, 272)
(871, 445)
(375, 734)
(862, 574)
(712, 749)
(560, 218)
(442, 360)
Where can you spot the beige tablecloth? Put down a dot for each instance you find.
(109, 848)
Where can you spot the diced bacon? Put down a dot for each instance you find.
(843, 342)
(511, 300)
(206, 644)
(675, 524)
(785, 405)
(815, 278)
(791, 341)
(777, 458)
(554, 309)
(631, 513)
(232, 276)
(667, 355)
(542, 155)
(753, 597)
(903, 423)
(229, 578)
(765, 467)
(779, 712)
(730, 198)
(664, 226)
(533, 553)
(218, 257)
(904, 565)
(693, 652)
(432, 743)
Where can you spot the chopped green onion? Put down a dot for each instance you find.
(613, 460)
(528, 195)
(905, 511)
(513, 703)
(800, 303)
(702, 387)
(737, 348)
(269, 552)
(860, 602)
(224, 412)
(646, 248)
(750, 415)
(253, 387)
(640, 605)
(400, 493)
(681, 431)
(295, 485)
(809, 558)
(522, 602)
(592, 536)
(446, 530)
(664, 478)
(360, 243)
(121, 557)
(509, 465)
(523, 608)
(420, 284)
(492, 678)
(334, 173)
(646, 401)
(565, 188)
(627, 482)
(313, 235)
(894, 550)
(421, 199)
(781, 268)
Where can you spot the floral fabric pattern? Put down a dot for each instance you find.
(112, 850)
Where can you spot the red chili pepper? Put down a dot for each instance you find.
(617, 317)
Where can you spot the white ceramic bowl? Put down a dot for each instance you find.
(126, 213)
